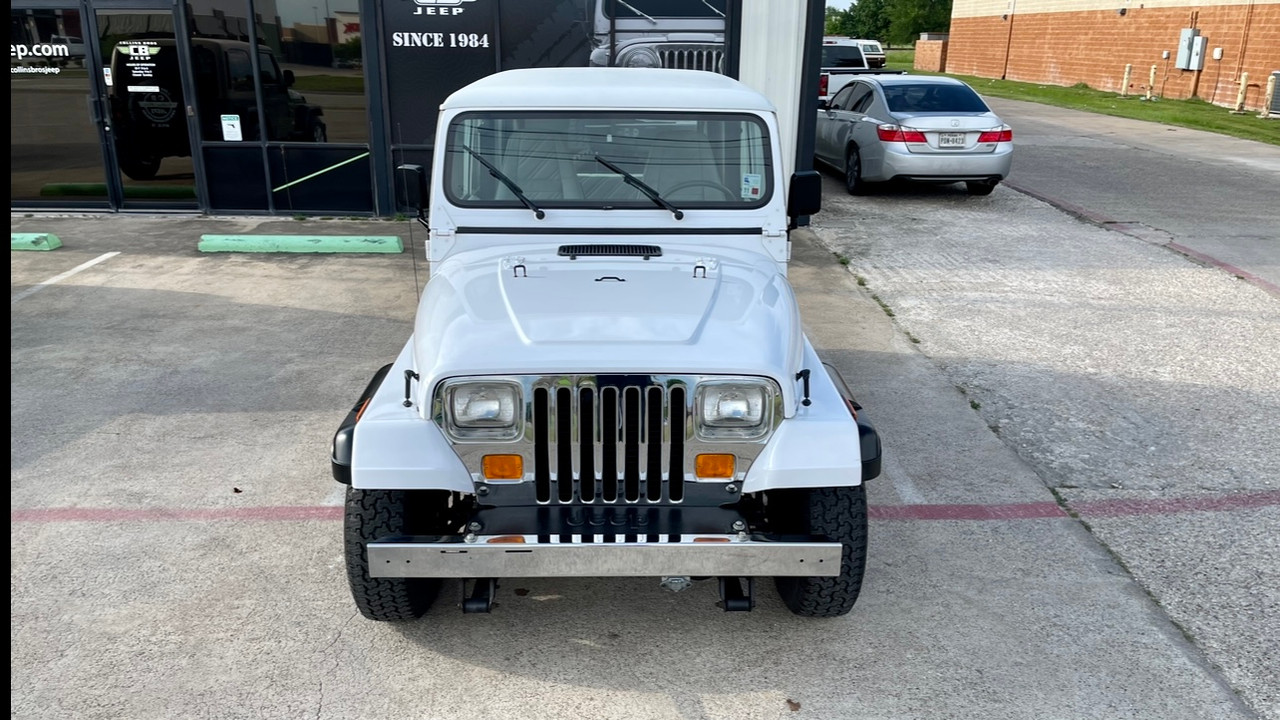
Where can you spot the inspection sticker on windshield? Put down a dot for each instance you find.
(751, 186)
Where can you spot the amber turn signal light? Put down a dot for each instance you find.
(714, 466)
(502, 467)
(515, 539)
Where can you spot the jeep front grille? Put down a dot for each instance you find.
(602, 444)
(692, 57)
(608, 439)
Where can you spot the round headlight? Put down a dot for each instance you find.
(641, 57)
(733, 410)
(489, 410)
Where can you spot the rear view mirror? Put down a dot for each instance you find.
(414, 181)
(805, 196)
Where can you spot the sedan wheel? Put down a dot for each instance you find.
(853, 173)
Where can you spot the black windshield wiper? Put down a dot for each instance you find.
(638, 184)
(511, 184)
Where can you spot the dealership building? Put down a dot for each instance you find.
(308, 106)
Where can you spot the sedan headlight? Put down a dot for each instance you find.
(733, 410)
(483, 410)
(641, 57)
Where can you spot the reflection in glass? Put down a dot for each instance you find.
(142, 74)
(54, 148)
(318, 56)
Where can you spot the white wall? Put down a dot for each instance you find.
(772, 62)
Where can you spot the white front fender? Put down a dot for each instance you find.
(817, 447)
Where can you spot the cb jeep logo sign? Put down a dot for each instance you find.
(439, 7)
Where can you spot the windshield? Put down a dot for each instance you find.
(608, 160)
(842, 56)
(933, 98)
(664, 8)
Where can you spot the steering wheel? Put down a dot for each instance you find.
(671, 191)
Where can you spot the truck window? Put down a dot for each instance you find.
(665, 8)
(239, 70)
(849, 56)
(269, 69)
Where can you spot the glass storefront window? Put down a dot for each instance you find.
(55, 150)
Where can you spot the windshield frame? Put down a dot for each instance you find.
(454, 142)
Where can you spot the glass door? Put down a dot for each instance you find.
(144, 109)
(55, 139)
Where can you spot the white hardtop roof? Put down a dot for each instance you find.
(596, 88)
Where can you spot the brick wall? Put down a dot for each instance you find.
(1092, 47)
(931, 55)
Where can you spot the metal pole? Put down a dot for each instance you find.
(1151, 83)
(1244, 88)
(1124, 85)
(1268, 98)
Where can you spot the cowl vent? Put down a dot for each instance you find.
(573, 252)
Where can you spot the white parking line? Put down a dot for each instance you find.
(902, 485)
(63, 276)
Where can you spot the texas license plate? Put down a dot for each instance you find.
(950, 139)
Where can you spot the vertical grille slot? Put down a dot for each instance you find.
(541, 446)
(564, 444)
(609, 444)
(586, 446)
(675, 475)
(631, 443)
(653, 445)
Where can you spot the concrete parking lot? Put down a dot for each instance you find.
(176, 536)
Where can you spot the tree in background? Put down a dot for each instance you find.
(896, 21)
(870, 19)
(837, 22)
(909, 18)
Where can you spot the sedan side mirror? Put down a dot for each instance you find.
(805, 195)
(288, 78)
(823, 104)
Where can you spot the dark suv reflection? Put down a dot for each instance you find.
(147, 101)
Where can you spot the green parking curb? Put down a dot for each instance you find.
(301, 243)
(35, 241)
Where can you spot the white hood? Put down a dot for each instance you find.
(528, 310)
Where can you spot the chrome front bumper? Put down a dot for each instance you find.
(729, 556)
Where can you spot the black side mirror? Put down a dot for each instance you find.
(288, 78)
(414, 181)
(805, 196)
(823, 104)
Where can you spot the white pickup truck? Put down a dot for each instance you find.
(607, 374)
(843, 58)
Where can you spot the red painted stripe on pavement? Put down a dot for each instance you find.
(1018, 511)
(1168, 506)
(1238, 272)
(276, 513)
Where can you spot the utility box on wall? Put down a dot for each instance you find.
(1186, 45)
(1199, 47)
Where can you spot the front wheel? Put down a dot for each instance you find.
(840, 515)
(374, 514)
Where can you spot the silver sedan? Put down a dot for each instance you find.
(910, 127)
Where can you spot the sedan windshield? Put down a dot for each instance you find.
(926, 98)
(662, 161)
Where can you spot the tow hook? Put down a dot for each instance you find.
(677, 583)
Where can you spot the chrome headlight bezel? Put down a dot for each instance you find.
(757, 425)
(508, 423)
(639, 57)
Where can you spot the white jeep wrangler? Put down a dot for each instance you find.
(607, 374)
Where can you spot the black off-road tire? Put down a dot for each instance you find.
(839, 514)
(373, 514)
